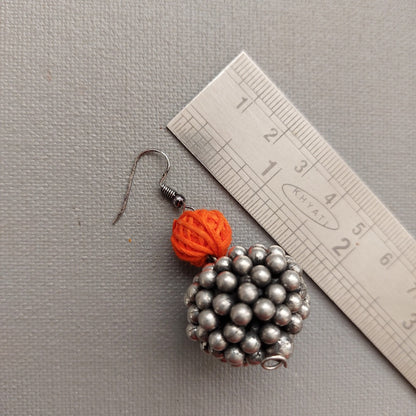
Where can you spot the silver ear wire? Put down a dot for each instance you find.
(177, 199)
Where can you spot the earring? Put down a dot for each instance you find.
(245, 306)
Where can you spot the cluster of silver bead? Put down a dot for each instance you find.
(246, 307)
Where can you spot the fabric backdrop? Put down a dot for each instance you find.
(91, 316)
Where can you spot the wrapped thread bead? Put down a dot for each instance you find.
(199, 234)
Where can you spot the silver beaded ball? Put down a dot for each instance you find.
(276, 262)
(207, 279)
(242, 265)
(241, 314)
(191, 332)
(293, 301)
(251, 343)
(192, 314)
(203, 299)
(223, 264)
(208, 320)
(261, 275)
(222, 304)
(234, 356)
(256, 358)
(235, 251)
(295, 325)
(276, 293)
(257, 254)
(275, 249)
(226, 281)
(282, 316)
(304, 310)
(269, 333)
(264, 309)
(248, 293)
(290, 280)
(217, 341)
(233, 333)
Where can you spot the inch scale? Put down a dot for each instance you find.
(291, 181)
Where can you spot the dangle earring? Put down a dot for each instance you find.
(245, 306)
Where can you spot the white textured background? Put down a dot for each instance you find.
(91, 324)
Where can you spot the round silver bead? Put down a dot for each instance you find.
(284, 346)
(276, 293)
(226, 281)
(276, 262)
(208, 320)
(178, 201)
(248, 293)
(235, 251)
(203, 299)
(202, 334)
(290, 280)
(261, 275)
(233, 333)
(217, 341)
(241, 314)
(304, 310)
(293, 301)
(222, 304)
(207, 279)
(192, 314)
(295, 325)
(257, 254)
(242, 265)
(191, 332)
(208, 266)
(282, 316)
(264, 309)
(303, 291)
(234, 356)
(205, 347)
(223, 264)
(256, 358)
(251, 343)
(269, 333)
(190, 294)
(292, 265)
(275, 249)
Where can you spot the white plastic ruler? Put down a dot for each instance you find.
(281, 170)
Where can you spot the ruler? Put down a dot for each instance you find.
(291, 181)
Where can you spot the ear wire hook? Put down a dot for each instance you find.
(178, 200)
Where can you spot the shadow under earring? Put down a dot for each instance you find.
(245, 306)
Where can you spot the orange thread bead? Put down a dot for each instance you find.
(199, 234)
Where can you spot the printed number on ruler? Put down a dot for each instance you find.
(268, 156)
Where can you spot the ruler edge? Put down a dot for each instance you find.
(322, 138)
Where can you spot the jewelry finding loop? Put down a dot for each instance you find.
(273, 362)
(169, 193)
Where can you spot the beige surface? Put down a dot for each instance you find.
(91, 324)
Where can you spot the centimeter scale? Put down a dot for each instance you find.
(277, 166)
